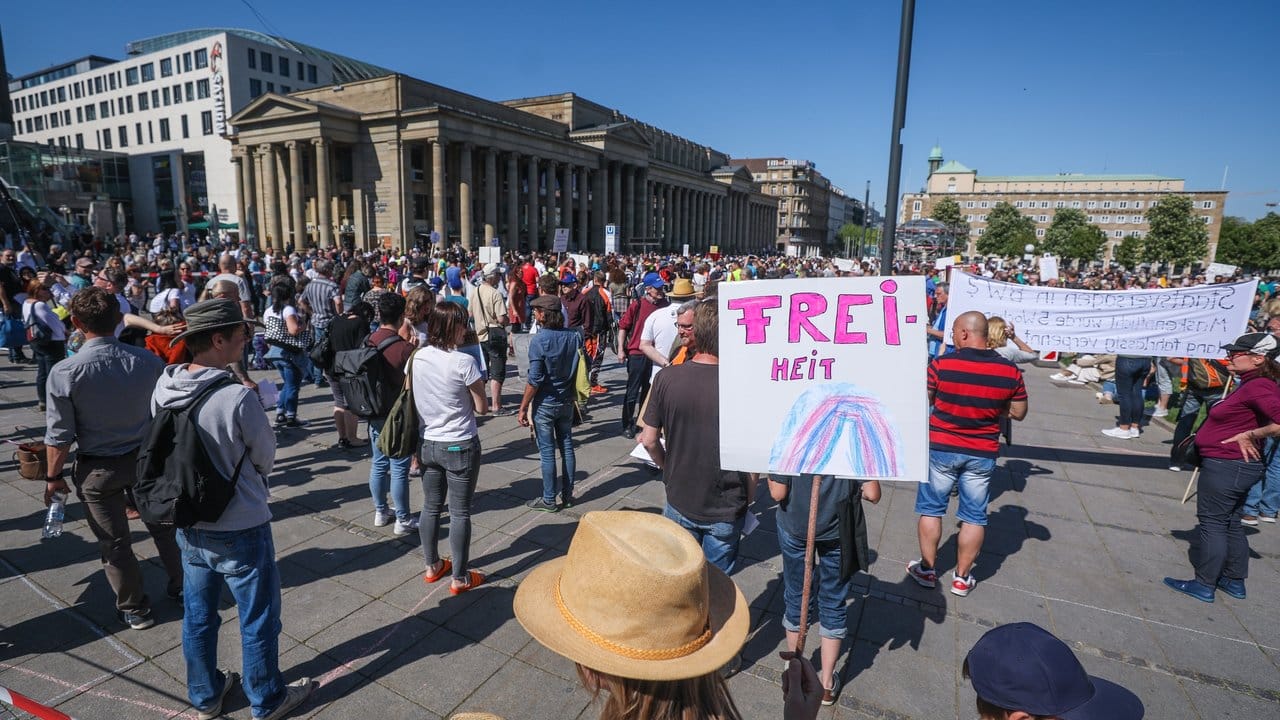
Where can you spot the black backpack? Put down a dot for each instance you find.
(178, 483)
(600, 320)
(368, 382)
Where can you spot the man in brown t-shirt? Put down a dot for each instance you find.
(684, 408)
(386, 472)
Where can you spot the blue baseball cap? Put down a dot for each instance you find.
(569, 279)
(654, 280)
(1022, 666)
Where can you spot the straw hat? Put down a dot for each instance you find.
(682, 289)
(635, 598)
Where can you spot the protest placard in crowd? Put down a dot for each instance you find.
(1192, 322)
(824, 376)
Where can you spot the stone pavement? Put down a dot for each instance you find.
(1082, 529)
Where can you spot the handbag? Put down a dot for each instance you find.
(15, 335)
(38, 334)
(278, 335)
(399, 437)
(1186, 454)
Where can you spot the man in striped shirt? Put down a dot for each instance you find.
(969, 389)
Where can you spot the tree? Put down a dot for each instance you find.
(1178, 236)
(1065, 222)
(1008, 232)
(1238, 245)
(1128, 251)
(947, 212)
(1084, 243)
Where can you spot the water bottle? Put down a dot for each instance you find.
(53, 520)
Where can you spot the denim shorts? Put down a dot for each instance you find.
(973, 473)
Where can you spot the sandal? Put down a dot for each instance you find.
(474, 579)
(445, 568)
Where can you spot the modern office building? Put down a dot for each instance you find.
(804, 199)
(394, 161)
(86, 189)
(1115, 203)
(166, 107)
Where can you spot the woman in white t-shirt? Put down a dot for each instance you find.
(448, 392)
(35, 309)
(288, 337)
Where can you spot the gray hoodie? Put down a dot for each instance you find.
(230, 420)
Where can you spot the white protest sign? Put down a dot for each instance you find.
(1191, 322)
(824, 375)
(489, 254)
(562, 240)
(943, 263)
(1048, 268)
(1219, 270)
(686, 250)
(579, 261)
(844, 265)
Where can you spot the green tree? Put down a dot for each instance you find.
(1065, 222)
(1178, 236)
(1128, 252)
(1237, 245)
(1008, 232)
(1084, 243)
(947, 212)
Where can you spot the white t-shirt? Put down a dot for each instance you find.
(162, 300)
(660, 329)
(440, 382)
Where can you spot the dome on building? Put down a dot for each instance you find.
(936, 153)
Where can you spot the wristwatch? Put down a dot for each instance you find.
(54, 478)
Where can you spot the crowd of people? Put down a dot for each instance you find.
(160, 323)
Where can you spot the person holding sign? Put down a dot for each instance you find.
(970, 390)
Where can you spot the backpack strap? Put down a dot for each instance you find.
(388, 342)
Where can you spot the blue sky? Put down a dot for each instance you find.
(1172, 87)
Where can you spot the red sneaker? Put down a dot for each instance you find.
(599, 389)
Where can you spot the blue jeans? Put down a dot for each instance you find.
(1224, 549)
(1264, 496)
(246, 561)
(386, 471)
(553, 426)
(827, 594)
(946, 469)
(719, 540)
(448, 469)
(1131, 372)
(314, 373)
(290, 386)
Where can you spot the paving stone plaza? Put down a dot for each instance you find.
(1082, 529)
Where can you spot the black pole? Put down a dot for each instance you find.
(895, 145)
(866, 212)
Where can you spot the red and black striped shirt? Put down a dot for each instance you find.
(970, 390)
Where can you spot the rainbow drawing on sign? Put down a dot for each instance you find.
(832, 422)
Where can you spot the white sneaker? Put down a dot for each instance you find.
(1176, 468)
(1134, 432)
(962, 585)
(1160, 412)
(1119, 433)
(404, 528)
(1060, 377)
(383, 518)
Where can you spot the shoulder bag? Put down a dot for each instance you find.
(399, 437)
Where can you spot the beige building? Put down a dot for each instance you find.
(393, 160)
(804, 198)
(1115, 203)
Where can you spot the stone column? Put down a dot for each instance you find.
(490, 195)
(271, 197)
(646, 216)
(615, 195)
(294, 180)
(566, 198)
(668, 218)
(550, 201)
(628, 202)
(584, 231)
(238, 161)
(700, 237)
(718, 234)
(438, 148)
(512, 231)
(324, 225)
(249, 201)
(686, 219)
(531, 202)
(601, 199)
(464, 195)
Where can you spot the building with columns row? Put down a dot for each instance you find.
(394, 161)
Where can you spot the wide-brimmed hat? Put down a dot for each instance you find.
(682, 289)
(635, 598)
(1022, 666)
(210, 315)
(546, 302)
(1258, 343)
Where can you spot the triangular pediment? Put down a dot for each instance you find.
(273, 107)
(625, 132)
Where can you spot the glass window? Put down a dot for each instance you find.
(105, 107)
(969, 204)
(79, 141)
(131, 76)
(983, 204)
(1018, 204)
(53, 120)
(122, 133)
(186, 130)
(300, 69)
(285, 89)
(1075, 204)
(128, 103)
(284, 66)
(79, 115)
(97, 84)
(206, 122)
(271, 87)
(113, 80)
(90, 112)
(268, 62)
(255, 87)
(202, 58)
(164, 96)
(311, 74)
(143, 102)
(1137, 204)
(106, 139)
(186, 62)
(166, 67)
(119, 106)
(190, 89)
(1124, 204)
(1208, 219)
(1106, 204)
(253, 59)
(177, 94)
(66, 117)
(137, 132)
(1039, 232)
(1060, 204)
(1091, 204)
(1206, 205)
(1118, 234)
(148, 72)
(202, 88)
(62, 97)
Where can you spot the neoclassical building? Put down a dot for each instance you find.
(393, 161)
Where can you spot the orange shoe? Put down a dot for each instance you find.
(599, 389)
(474, 579)
(445, 568)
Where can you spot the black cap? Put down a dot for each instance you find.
(1255, 343)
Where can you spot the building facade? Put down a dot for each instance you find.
(166, 108)
(804, 201)
(1115, 203)
(394, 161)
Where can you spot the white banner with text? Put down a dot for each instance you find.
(1191, 322)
